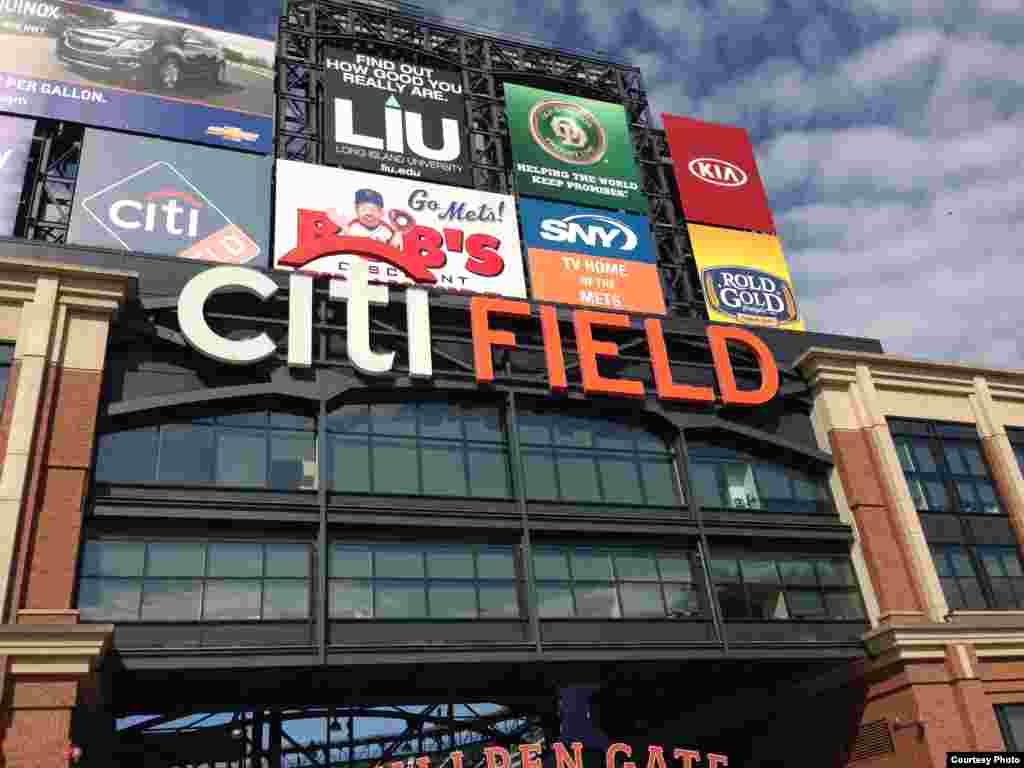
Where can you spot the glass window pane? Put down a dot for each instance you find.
(987, 496)
(351, 599)
(706, 485)
(235, 599)
(109, 599)
(350, 464)
(185, 454)
(398, 562)
(974, 600)
(249, 419)
(953, 458)
(968, 499)
(113, 558)
(951, 589)
(574, 431)
(1011, 562)
(127, 457)
(992, 561)
(767, 601)
(350, 562)
(498, 601)
(808, 488)
(588, 565)
(742, 492)
(400, 600)
(171, 600)
(292, 460)
(444, 469)
(554, 601)
(798, 572)
(961, 562)
(1003, 597)
(941, 562)
(394, 418)
(350, 418)
(804, 603)
(683, 601)
(903, 451)
(496, 564)
(539, 469)
(395, 468)
(732, 600)
(241, 458)
(725, 570)
(292, 421)
(637, 566)
(596, 601)
(773, 481)
(641, 600)
(938, 499)
(235, 559)
(974, 460)
(923, 461)
(621, 480)
(548, 564)
(659, 481)
(916, 486)
(285, 599)
(578, 477)
(440, 420)
(613, 435)
(844, 605)
(675, 567)
(288, 560)
(445, 563)
(534, 428)
(835, 572)
(759, 571)
(482, 423)
(452, 601)
(488, 472)
(175, 559)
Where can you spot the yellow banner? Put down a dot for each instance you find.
(745, 278)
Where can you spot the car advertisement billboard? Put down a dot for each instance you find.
(572, 149)
(590, 257)
(745, 278)
(77, 62)
(15, 147)
(411, 232)
(388, 116)
(717, 175)
(159, 197)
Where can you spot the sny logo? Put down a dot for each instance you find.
(718, 172)
(158, 210)
(592, 229)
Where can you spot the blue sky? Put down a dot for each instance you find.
(887, 133)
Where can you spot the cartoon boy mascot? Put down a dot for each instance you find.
(369, 221)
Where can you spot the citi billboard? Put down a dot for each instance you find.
(163, 198)
(717, 175)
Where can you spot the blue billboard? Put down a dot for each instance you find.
(137, 73)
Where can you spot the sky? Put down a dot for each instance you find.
(886, 133)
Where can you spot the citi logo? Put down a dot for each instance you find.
(721, 173)
(402, 130)
(591, 229)
(168, 211)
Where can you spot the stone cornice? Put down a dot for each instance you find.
(83, 287)
(929, 642)
(46, 649)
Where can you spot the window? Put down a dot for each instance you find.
(244, 450)
(127, 580)
(1011, 723)
(725, 478)
(768, 588)
(615, 583)
(430, 448)
(582, 459)
(972, 544)
(416, 581)
(6, 356)
(1017, 441)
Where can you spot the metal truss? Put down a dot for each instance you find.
(369, 736)
(486, 61)
(44, 210)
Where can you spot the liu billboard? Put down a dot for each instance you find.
(745, 278)
(389, 116)
(15, 147)
(591, 258)
(572, 149)
(164, 198)
(717, 175)
(86, 64)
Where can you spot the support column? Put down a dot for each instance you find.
(995, 443)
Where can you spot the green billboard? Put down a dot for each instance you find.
(572, 149)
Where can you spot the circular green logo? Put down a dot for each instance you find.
(567, 132)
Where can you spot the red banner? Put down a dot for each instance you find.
(717, 175)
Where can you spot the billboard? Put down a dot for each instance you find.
(77, 62)
(410, 232)
(745, 278)
(590, 257)
(572, 149)
(389, 116)
(160, 197)
(717, 175)
(15, 147)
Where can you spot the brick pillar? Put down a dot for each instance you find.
(1006, 473)
(37, 722)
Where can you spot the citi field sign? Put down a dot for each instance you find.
(485, 315)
